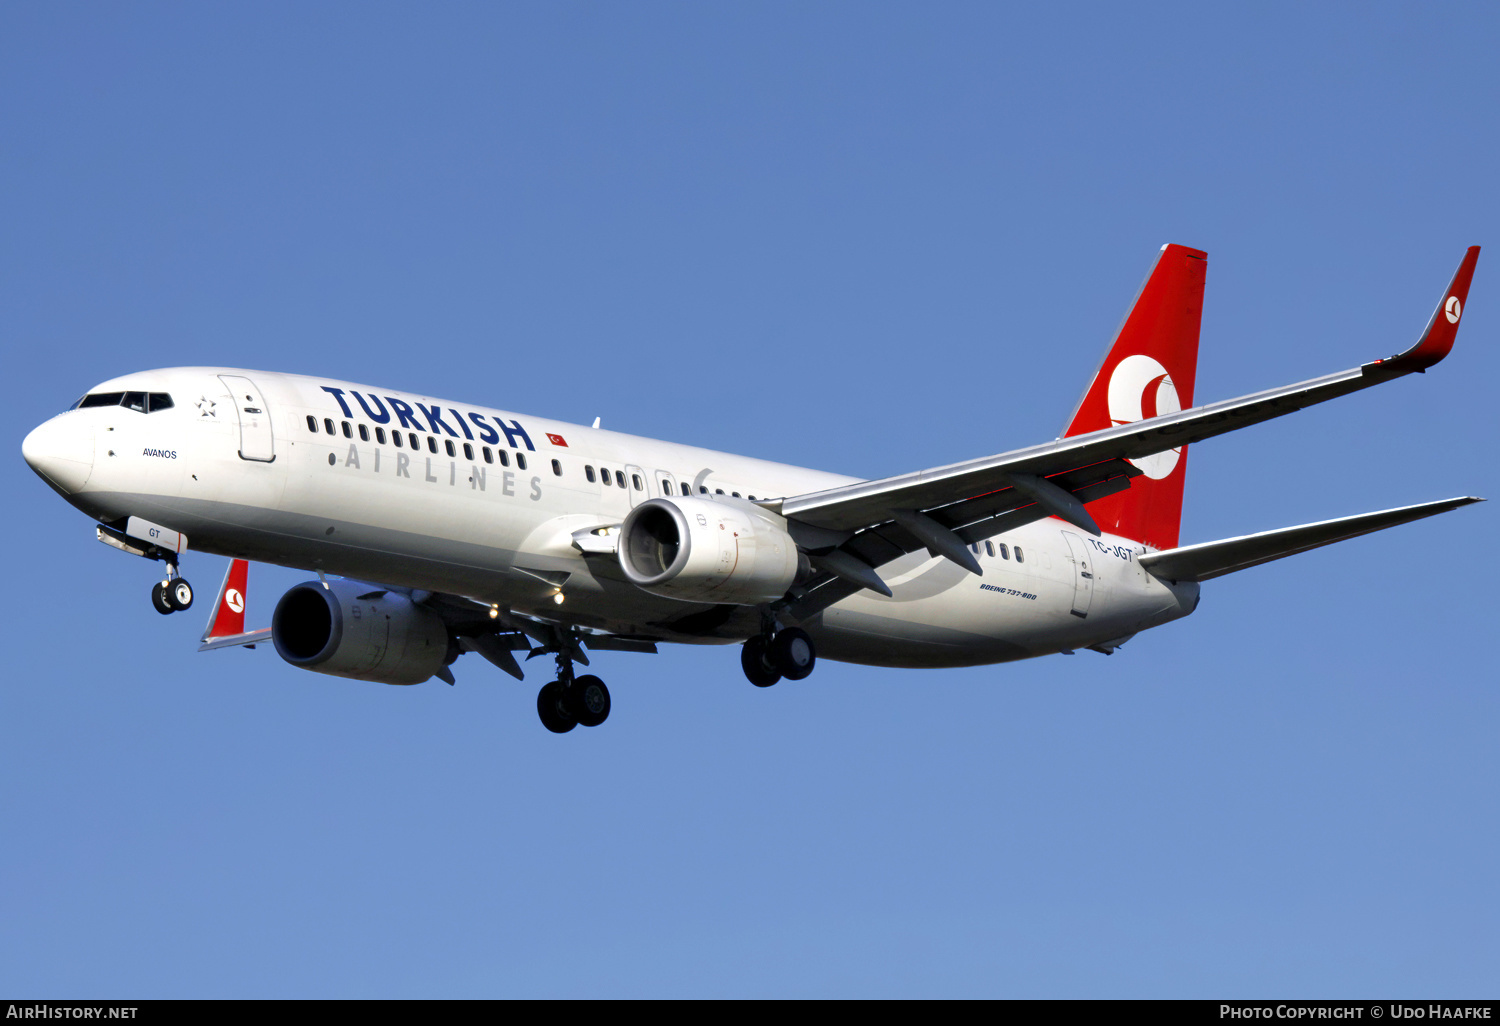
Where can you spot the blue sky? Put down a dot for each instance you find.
(862, 237)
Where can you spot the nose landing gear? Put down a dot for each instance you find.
(173, 594)
(789, 653)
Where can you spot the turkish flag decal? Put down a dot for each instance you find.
(557, 440)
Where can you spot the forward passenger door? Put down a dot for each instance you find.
(256, 439)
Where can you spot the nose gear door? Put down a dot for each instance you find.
(256, 440)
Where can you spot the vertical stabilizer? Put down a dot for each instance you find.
(1149, 370)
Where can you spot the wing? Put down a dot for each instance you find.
(496, 633)
(850, 530)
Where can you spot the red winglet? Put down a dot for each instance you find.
(1437, 340)
(229, 611)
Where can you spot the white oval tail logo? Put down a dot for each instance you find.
(1452, 309)
(1141, 388)
(234, 600)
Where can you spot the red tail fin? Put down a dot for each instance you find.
(1150, 369)
(228, 617)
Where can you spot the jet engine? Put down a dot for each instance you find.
(708, 550)
(353, 629)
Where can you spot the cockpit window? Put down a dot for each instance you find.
(140, 402)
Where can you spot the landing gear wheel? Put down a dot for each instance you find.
(552, 709)
(180, 594)
(159, 598)
(792, 653)
(588, 700)
(754, 660)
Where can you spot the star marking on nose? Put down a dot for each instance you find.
(206, 406)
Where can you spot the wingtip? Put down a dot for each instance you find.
(1441, 331)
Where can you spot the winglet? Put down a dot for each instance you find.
(226, 624)
(1437, 339)
(228, 617)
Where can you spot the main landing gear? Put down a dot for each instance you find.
(569, 701)
(173, 594)
(789, 653)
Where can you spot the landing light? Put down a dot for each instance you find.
(558, 598)
(494, 612)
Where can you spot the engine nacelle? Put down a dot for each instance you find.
(706, 550)
(353, 629)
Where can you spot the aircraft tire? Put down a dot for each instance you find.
(180, 594)
(757, 667)
(552, 710)
(588, 700)
(159, 598)
(792, 653)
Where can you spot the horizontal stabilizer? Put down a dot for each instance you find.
(1217, 558)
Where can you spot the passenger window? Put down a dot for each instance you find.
(345, 425)
(101, 399)
(635, 482)
(1020, 558)
(604, 476)
(432, 445)
(1004, 551)
(411, 436)
(328, 425)
(364, 433)
(448, 444)
(718, 491)
(380, 435)
(974, 546)
(312, 423)
(520, 461)
(735, 494)
(989, 548)
(489, 457)
(620, 478)
(158, 401)
(666, 487)
(135, 401)
(557, 467)
(703, 489)
(396, 437)
(468, 452)
(504, 457)
(588, 472)
(750, 497)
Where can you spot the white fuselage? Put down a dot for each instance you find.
(256, 474)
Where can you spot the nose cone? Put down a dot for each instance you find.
(62, 452)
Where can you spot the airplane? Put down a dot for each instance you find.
(437, 528)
